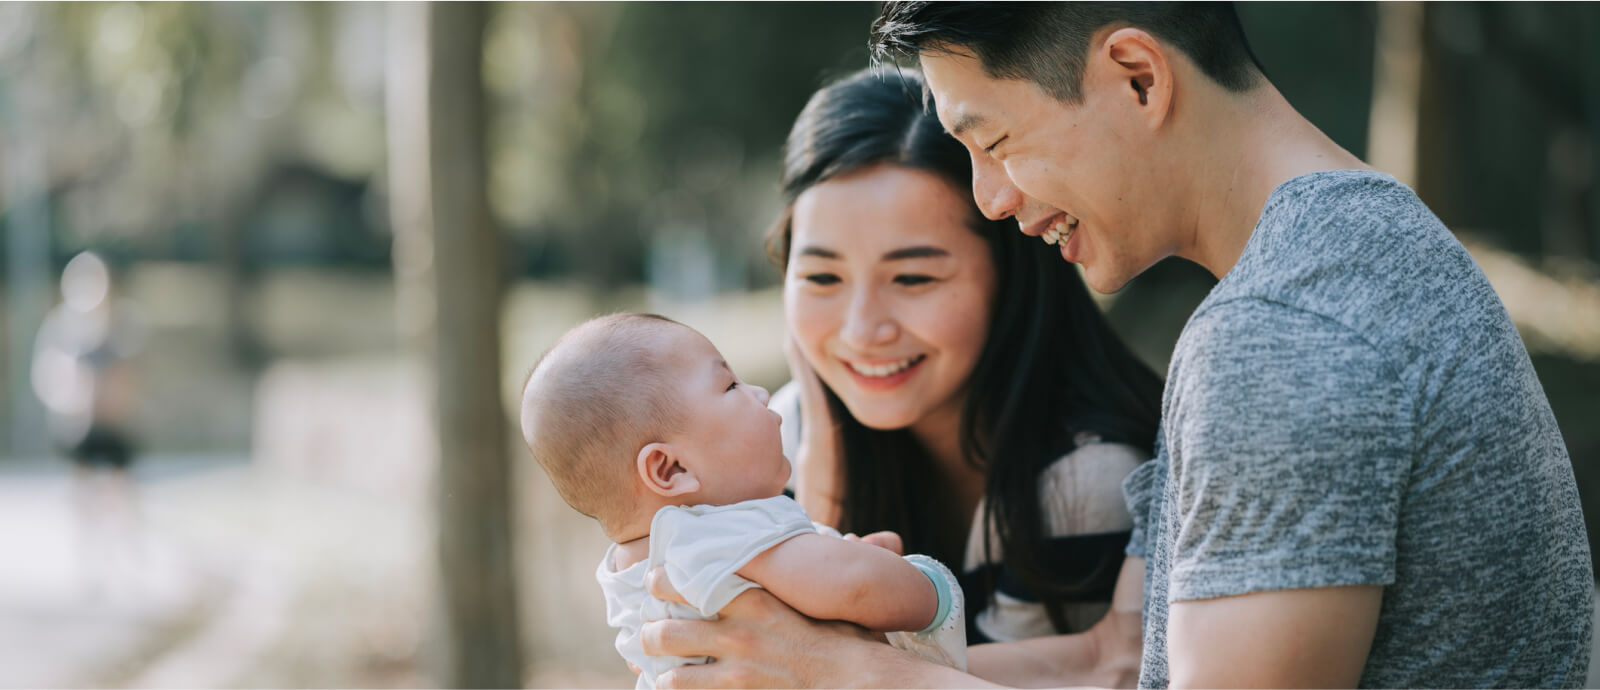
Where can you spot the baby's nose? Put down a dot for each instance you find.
(761, 394)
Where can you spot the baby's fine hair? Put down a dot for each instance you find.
(597, 396)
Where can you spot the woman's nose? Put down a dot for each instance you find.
(867, 325)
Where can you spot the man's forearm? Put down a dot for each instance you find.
(1106, 655)
(876, 665)
(1046, 662)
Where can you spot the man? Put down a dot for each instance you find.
(1360, 480)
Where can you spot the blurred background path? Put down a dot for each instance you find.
(199, 593)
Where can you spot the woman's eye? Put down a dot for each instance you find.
(990, 148)
(911, 279)
(822, 278)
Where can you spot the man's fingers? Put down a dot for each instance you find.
(712, 675)
(677, 637)
(661, 587)
(756, 603)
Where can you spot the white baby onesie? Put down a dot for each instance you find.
(703, 547)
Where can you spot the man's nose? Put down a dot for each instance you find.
(992, 189)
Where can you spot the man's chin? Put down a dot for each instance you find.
(1103, 281)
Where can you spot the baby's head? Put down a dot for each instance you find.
(632, 412)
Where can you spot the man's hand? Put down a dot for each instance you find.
(759, 642)
(753, 644)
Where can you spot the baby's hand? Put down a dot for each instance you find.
(883, 540)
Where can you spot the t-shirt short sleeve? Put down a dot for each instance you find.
(1294, 435)
(702, 547)
(1141, 491)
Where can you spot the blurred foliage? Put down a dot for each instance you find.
(631, 129)
(630, 139)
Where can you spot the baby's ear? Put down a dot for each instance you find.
(660, 469)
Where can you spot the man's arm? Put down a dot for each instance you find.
(1293, 638)
(1105, 655)
(837, 579)
(1297, 441)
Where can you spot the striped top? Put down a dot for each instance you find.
(1088, 526)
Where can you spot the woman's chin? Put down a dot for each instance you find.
(884, 420)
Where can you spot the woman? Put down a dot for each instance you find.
(956, 384)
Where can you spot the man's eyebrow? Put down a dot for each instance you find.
(966, 122)
(810, 250)
(915, 253)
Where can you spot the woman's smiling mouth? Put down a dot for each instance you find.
(885, 375)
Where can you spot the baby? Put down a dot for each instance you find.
(641, 425)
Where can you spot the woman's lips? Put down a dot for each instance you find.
(883, 383)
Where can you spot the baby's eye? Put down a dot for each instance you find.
(912, 279)
(823, 278)
(731, 386)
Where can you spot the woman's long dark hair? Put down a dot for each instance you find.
(1051, 366)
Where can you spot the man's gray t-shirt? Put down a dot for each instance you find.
(1351, 405)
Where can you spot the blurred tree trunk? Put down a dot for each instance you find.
(447, 272)
(1436, 157)
(1397, 91)
(1589, 53)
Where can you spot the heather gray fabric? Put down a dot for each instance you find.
(1351, 405)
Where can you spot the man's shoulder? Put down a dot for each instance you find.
(1359, 250)
(1236, 336)
(1341, 238)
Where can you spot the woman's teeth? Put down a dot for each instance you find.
(882, 370)
(1061, 231)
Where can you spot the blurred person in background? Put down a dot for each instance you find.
(957, 387)
(82, 375)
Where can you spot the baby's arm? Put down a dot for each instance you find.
(834, 579)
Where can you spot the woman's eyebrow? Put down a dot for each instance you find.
(810, 250)
(915, 253)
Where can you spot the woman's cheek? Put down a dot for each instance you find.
(966, 319)
(809, 319)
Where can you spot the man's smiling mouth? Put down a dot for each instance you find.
(1061, 231)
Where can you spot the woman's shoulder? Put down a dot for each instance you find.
(1081, 492)
(1092, 458)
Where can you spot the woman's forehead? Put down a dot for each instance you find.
(882, 211)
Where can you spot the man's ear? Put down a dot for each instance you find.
(661, 469)
(1141, 70)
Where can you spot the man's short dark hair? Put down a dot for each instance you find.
(1048, 42)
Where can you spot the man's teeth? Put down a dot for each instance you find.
(881, 370)
(1061, 231)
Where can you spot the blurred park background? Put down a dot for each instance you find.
(339, 234)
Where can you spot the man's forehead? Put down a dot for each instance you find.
(945, 75)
